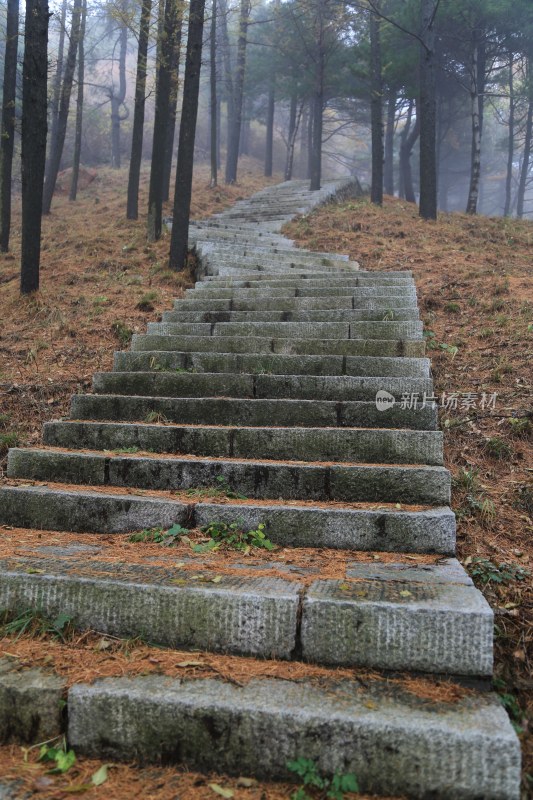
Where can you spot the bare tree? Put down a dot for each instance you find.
(7, 130)
(189, 114)
(132, 210)
(79, 106)
(34, 129)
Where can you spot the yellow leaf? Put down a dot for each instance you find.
(405, 593)
(191, 664)
(216, 579)
(217, 789)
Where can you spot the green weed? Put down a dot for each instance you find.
(168, 538)
(61, 756)
(452, 308)
(122, 332)
(485, 571)
(146, 303)
(35, 623)
(234, 537)
(315, 785)
(498, 448)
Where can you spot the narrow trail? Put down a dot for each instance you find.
(282, 384)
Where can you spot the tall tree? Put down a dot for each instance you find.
(58, 75)
(34, 129)
(161, 118)
(427, 111)
(7, 130)
(317, 105)
(132, 210)
(213, 96)
(79, 106)
(172, 110)
(528, 140)
(388, 165)
(56, 146)
(510, 142)
(117, 96)
(238, 91)
(477, 92)
(189, 113)
(376, 107)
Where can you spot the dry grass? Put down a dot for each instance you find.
(473, 277)
(100, 282)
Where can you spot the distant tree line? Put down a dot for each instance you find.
(430, 99)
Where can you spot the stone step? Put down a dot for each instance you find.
(200, 303)
(286, 255)
(334, 315)
(411, 329)
(239, 411)
(331, 315)
(221, 384)
(430, 530)
(258, 293)
(427, 485)
(395, 742)
(214, 260)
(261, 344)
(379, 366)
(418, 619)
(296, 444)
(274, 280)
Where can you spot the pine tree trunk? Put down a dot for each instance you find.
(269, 143)
(234, 140)
(132, 209)
(7, 130)
(405, 161)
(161, 118)
(510, 145)
(58, 77)
(427, 111)
(476, 98)
(189, 114)
(34, 129)
(228, 72)
(56, 146)
(292, 134)
(388, 168)
(213, 127)
(172, 110)
(117, 100)
(376, 110)
(303, 157)
(318, 103)
(528, 139)
(79, 106)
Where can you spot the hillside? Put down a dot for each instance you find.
(472, 277)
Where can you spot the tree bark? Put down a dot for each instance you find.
(510, 145)
(132, 209)
(405, 161)
(528, 139)
(79, 106)
(213, 127)
(269, 142)
(117, 100)
(427, 113)
(318, 101)
(388, 168)
(58, 76)
(172, 109)
(56, 146)
(162, 107)
(476, 98)
(228, 72)
(240, 68)
(7, 130)
(34, 129)
(376, 110)
(292, 134)
(189, 114)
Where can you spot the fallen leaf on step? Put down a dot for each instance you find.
(191, 664)
(217, 789)
(405, 593)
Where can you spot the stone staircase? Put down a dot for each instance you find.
(264, 378)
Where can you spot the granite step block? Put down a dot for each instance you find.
(393, 741)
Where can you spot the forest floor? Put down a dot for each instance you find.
(474, 283)
(101, 282)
